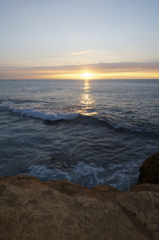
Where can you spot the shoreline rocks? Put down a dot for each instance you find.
(62, 210)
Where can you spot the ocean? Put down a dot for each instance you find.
(90, 132)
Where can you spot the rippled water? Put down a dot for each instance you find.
(88, 132)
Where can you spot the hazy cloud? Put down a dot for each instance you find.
(83, 52)
(104, 67)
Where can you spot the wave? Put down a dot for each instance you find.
(106, 121)
(42, 114)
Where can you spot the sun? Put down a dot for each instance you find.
(86, 75)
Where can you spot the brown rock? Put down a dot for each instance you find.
(143, 207)
(60, 210)
(102, 193)
(145, 187)
(149, 171)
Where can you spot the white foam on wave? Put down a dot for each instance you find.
(42, 114)
(55, 116)
(123, 175)
(77, 174)
(89, 175)
(121, 124)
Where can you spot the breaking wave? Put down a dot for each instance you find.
(42, 114)
(107, 120)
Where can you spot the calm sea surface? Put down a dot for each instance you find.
(88, 132)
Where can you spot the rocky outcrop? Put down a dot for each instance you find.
(60, 210)
(149, 171)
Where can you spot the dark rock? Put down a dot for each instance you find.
(149, 171)
(148, 187)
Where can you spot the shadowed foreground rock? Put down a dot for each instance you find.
(58, 210)
(149, 171)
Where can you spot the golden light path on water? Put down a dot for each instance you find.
(87, 100)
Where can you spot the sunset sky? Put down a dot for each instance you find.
(63, 39)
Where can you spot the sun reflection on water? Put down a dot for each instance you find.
(86, 99)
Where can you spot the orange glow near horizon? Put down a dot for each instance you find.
(91, 74)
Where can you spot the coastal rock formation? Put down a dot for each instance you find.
(149, 171)
(60, 210)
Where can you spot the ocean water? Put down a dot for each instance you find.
(88, 132)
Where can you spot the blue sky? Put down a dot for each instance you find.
(36, 33)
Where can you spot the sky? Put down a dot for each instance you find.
(64, 39)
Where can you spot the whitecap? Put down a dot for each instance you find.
(42, 114)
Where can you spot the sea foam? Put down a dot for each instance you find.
(42, 114)
(120, 176)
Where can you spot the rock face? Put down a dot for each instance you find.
(60, 210)
(149, 171)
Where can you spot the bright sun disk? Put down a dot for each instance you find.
(86, 75)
